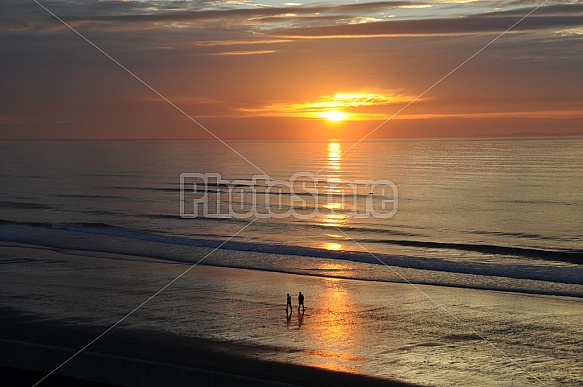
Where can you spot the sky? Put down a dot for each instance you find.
(268, 69)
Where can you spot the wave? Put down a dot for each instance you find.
(572, 256)
(24, 206)
(520, 235)
(160, 247)
(155, 189)
(87, 196)
(217, 189)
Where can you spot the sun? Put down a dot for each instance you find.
(334, 115)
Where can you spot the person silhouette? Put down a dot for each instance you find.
(301, 302)
(289, 304)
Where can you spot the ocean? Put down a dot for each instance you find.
(500, 214)
(482, 235)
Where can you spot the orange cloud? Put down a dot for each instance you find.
(351, 106)
(256, 52)
(555, 114)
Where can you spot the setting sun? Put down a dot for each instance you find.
(334, 115)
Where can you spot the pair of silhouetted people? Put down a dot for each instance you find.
(300, 303)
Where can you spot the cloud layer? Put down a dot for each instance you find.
(272, 70)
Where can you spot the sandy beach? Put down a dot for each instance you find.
(235, 320)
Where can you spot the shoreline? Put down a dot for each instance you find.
(228, 363)
(373, 332)
(525, 286)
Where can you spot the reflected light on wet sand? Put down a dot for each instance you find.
(334, 347)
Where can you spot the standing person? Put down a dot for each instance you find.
(301, 302)
(289, 304)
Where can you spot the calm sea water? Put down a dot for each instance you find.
(486, 213)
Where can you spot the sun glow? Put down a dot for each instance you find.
(334, 115)
(355, 106)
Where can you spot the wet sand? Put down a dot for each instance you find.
(168, 348)
(234, 320)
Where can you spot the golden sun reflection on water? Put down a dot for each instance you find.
(333, 220)
(334, 206)
(331, 246)
(334, 167)
(334, 155)
(330, 266)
